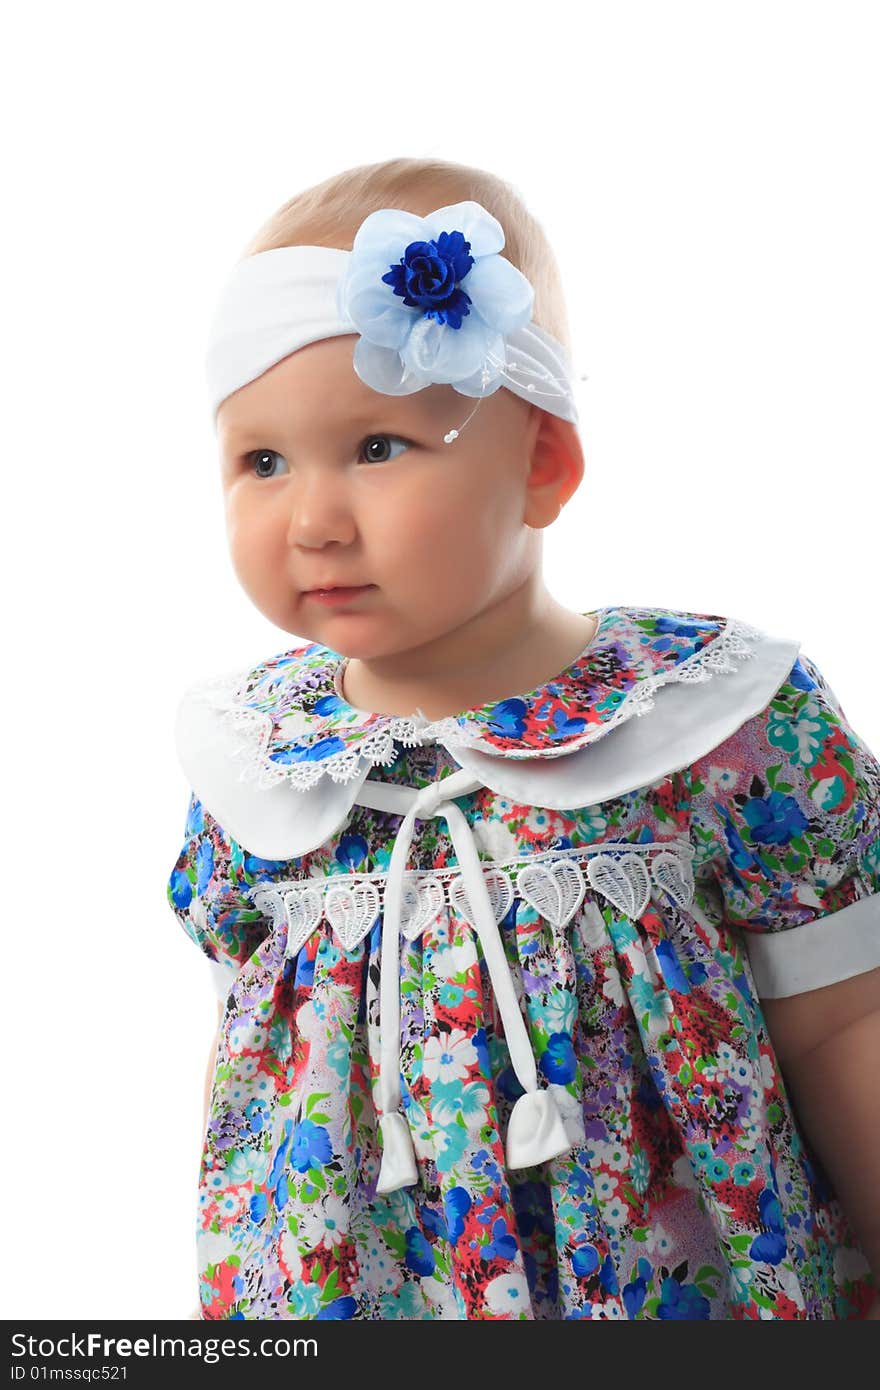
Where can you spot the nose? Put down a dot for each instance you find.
(319, 511)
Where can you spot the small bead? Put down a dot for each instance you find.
(530, 386)
(448, 438)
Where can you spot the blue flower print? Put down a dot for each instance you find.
(673, 975)
(648, 1094)
(799, 677)
(770, 1245)
(608, 1276)
(327, 705)
(585, 1260)
(457, 1204)
(181, 889)
(255, 867)
(450, 1143)
(533, 1206)
(508, 718)
(681, 1302)
(311, 1146)
(502, 1245)
(308, 752)
(278, 1164)
(195, 818)
(558, 1062)
(419, 1255)
(305, 969)
(675, 627)
(255, 1111)
(564, 726)
(340, 1308)
(305, 1300)
(351, 852)
(433, 1222)
(634, 1296)
(204, 865)
(509, 1084)
(775, 819)
(739, 854)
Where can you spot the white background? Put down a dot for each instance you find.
(708, 176)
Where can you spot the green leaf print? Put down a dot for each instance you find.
(313, 1101)
(396, 1242)
(312, 1185)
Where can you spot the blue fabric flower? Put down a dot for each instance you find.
(457, 1204)
(558, 1061)
(432, 299)
(681, 1302)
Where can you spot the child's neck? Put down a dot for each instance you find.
(511, 648)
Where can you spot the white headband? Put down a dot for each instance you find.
(431, 298)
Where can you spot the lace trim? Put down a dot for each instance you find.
(553, 884)
(225, 693)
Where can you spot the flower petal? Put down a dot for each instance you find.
(473, 385)
(387, 231)
(373, 308)
(484, 232)
(381, 369)
(445, 354)
(502, 293)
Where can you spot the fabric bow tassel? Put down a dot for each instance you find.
(535, 1132)
(398, 1167)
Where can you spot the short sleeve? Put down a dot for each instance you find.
(209, 891)
(785, 822)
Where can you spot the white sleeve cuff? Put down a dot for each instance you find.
(830, 948)
(223, 976)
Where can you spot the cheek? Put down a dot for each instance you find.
(253, 541)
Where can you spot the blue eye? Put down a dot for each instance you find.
(259, 455)
(259, 460)
(372, 439)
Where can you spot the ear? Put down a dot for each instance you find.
(556, 468)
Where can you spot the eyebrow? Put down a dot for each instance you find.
(236, 434)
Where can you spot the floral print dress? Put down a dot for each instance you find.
(639, 932)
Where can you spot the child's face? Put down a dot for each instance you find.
(329, 482)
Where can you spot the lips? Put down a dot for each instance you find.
(337, 597)
(331, 588)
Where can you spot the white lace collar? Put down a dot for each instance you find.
(278, 756)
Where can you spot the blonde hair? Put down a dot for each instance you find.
(329, 214)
